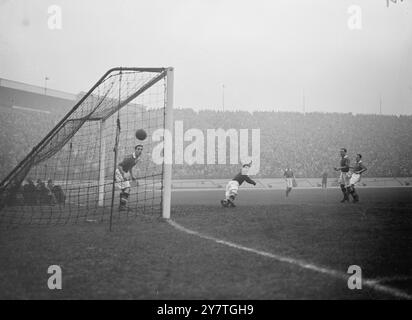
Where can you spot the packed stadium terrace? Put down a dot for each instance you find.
(308, 143)
(20, 131)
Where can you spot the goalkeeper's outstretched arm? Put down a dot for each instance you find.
(249, 180)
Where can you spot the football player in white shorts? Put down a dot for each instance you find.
(355, 178)
(233, 185)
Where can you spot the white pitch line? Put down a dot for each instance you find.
(373, 284)
(31, 109)
(394, 278)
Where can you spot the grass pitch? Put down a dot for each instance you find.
(147, 258)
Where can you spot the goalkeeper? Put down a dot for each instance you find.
(124, 174)
(233, 185)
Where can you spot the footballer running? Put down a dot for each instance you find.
(355, 178)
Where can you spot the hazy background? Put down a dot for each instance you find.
(268, 54)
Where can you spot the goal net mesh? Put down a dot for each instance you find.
(69, 176)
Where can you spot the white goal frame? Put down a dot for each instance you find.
(168, 146)
(168, 150)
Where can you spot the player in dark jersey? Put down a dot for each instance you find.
(124, 174)
(344, 176)
(233, 185)
(355, 178)
(289, 178)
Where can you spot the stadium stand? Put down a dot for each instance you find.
(27, 114)
(308, 143)
(19, 95)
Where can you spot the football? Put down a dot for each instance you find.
(141, 134)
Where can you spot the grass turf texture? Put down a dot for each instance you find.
(146, 258)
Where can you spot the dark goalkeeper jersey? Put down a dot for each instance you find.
(243, 177)
(128, 163)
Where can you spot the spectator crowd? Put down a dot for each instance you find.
(308, 143)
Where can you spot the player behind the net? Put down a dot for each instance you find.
(355, 178)
(124, 173)
(233, 185)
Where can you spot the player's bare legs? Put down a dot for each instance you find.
(345, 193)
(353, 193)
(228, 202)
(124, 198)
(224, 203)
(231, 201)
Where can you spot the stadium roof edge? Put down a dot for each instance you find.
(36, 89)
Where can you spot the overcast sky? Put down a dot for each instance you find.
(267, 53)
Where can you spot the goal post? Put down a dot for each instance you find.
(102, 162)
(168, 147)
(69, 176)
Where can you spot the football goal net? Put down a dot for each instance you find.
(91, 166)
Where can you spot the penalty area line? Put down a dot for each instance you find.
(372, 284)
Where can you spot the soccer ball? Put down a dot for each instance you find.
(141, 134)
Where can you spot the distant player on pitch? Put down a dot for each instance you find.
(355, 178)
(124, 174)
(290, 180)
(344, 176)
(233, 185)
